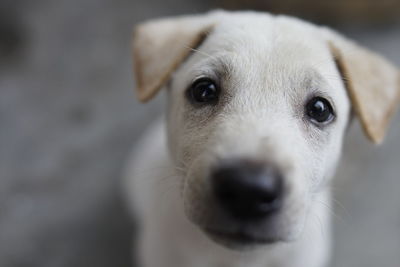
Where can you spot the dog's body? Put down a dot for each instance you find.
(239, 176)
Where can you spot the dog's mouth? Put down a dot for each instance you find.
(239, 239)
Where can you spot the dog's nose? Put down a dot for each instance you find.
(248, 190)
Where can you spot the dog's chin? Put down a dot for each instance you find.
(241, 240)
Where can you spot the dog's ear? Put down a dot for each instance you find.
(159, 46)
(373, 84)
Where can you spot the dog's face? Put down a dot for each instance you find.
(267, 104)
(256, 118)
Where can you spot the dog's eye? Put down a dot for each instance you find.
(203, 90)
(319, 110)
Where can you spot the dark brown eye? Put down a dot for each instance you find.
(203, 91)
(319, 110)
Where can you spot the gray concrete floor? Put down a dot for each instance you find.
(68, 119)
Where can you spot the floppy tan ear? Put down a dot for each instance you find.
(372, 82)
(159, 46)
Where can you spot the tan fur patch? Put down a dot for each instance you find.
(373, 85)
(160, 46)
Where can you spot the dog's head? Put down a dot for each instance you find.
(257, 109)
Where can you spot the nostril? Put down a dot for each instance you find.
(248, 190)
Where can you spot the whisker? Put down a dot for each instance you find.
(200, 52)
(332, 211)
(320, 225)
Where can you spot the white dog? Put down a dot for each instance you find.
(257, 108)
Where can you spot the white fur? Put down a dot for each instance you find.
(275, 62)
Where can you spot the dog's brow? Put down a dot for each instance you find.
(218, 67)
(222, 66)
(313, 79)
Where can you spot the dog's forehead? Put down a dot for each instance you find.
(268, 52)
(266, 39)
(260, 57)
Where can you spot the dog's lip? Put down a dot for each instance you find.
(239, 237)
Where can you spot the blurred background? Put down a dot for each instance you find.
(69, 117)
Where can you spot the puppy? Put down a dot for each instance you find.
(258, 105)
